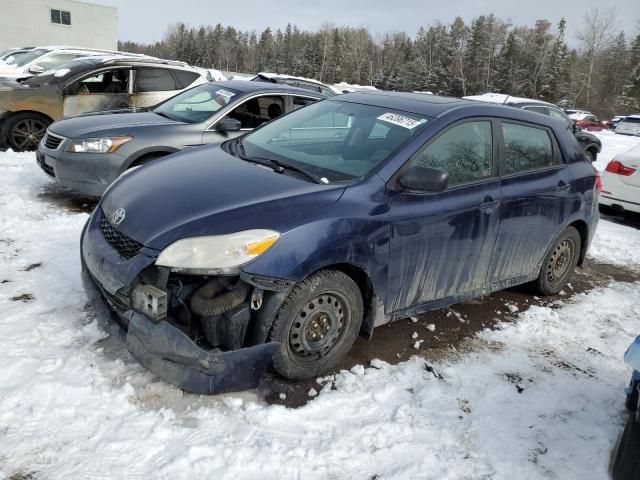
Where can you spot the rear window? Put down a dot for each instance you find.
(526, 148)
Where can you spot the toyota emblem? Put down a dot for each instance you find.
(118, 216)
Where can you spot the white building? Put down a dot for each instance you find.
(29, 23)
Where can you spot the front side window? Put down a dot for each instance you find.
(526, 148)
(464, 151)
(333, 139)
(197, 104)
(154, 80)
(258, 110)
(107, 82)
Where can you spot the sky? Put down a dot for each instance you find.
(147, 20)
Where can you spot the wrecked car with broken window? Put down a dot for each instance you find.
(280, 246)
(88, 84)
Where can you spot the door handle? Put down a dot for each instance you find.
(565, 187)
(489, 203)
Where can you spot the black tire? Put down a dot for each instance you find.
(25, 130)
(590, 155)
(559, 263)
(626, 458)
(316, 325)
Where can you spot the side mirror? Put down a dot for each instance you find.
(576, 128)
(424, 179)
(36, 69)
(228, 124)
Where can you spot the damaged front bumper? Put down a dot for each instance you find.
(172, 355)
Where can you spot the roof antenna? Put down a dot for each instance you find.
(505, 99)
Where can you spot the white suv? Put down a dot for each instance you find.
(41, 59)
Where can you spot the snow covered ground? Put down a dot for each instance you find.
(538, 398)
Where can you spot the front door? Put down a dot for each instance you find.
(441, 243)
(536, 201)
(106, 90)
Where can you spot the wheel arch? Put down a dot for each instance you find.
(142, 155)
(583, 229)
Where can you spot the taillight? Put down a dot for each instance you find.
(618, 168)
(598, 182)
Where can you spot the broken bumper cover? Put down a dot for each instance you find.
(172, 355)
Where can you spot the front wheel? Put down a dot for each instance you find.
(316, 325)
(559, 263)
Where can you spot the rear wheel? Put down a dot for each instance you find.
(559, 263)
(25, 130)
(316, 325)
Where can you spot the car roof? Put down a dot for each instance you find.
(428, 105)
(435, 106)
(504, 99)
(248, 87)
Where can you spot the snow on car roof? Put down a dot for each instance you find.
(502, 98)
(579, 116)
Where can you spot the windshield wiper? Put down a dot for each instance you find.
(276, 165)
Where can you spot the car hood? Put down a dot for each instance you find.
(206, 191)
(83, 126)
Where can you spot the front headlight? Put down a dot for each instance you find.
(97, 145)
(216, 254)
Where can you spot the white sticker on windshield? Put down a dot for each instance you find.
(400, 120)
(225, 93)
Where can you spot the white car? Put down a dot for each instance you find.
(629, 125)
(621, 182)
(42, 59)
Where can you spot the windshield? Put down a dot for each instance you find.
(334, 139)
(197, 104)
(630, 120)
(22, 60)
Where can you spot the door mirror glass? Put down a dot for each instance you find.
(36, 69)
(424, 179)
(228, 124)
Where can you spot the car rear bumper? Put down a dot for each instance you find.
(172, 355)
(619, 204)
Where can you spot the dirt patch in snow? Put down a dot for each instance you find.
(455, 331)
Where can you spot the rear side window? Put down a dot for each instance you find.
(541, 110)
(465, 151)
(526, 148)
(154, 80)
(299, 102)
(184, 78)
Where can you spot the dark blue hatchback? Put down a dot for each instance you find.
(281, 246)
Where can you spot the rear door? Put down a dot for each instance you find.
(536, 200)
(152, 85)
(107, 89)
